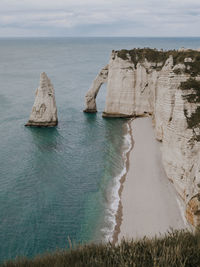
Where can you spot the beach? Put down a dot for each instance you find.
(149, 204)
(64, 182)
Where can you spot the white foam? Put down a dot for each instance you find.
(112, 208)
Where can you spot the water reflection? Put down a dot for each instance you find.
(46, 139)
(90, 117)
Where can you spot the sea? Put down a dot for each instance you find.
(60, 185)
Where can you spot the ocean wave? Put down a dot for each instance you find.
(114, 198)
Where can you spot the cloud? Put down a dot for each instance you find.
(95, 17)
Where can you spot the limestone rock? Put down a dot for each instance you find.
(44, 111)
(183, 49)
(140, 87)
(90, 98)
(188, 59)
(130, 88)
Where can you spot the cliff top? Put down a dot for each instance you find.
(190, 58)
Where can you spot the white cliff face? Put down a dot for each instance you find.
(90, 98)
(120, 93)
(44, 111)
(154, 88)
(130, 89)
(181, 153)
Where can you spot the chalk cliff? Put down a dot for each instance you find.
(90, 98)
(44, 111)
(166, 85)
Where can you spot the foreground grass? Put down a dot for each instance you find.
(177, 248)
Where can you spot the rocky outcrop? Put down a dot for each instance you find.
(44, 111)
(161, 83)
(90, 98)
(130, 89)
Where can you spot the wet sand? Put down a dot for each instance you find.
(149, 204)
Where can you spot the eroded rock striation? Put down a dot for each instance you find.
(44, 111)
(166, 85)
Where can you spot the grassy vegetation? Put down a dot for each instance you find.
(194, 87)
(176, 249)
(159, 56)
(193, 97)
(178, 71)
(139, 55)
(193, 68)
(194, 120)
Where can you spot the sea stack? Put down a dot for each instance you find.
(44, 111)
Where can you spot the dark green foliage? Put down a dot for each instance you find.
(194, 67)
(193, 97)
(194, 120)
(197, 137)
(160, 56)
(123, 54)
(176, 249)
(190, 84)
(178, 71)
(139, 55)
(194, 87)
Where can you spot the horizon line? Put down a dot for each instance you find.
(76, 36)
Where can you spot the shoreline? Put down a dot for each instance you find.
(119, 213)
(148, 189)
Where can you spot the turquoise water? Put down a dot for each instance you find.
(59, 182)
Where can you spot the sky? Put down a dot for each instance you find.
(149, 18)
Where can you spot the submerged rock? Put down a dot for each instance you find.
(44, 111)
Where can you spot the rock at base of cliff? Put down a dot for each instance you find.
(42, 124)
(116, 115)
(44, 111)
(90, 110)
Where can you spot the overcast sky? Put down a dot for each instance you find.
(99, 18)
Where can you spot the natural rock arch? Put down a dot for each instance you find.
(90, 98)
(161, 84)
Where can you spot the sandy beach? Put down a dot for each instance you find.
(149, 203)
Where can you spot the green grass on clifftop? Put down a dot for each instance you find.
(176, 249)
(160, 56)
(194, 120)
(192, 86)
